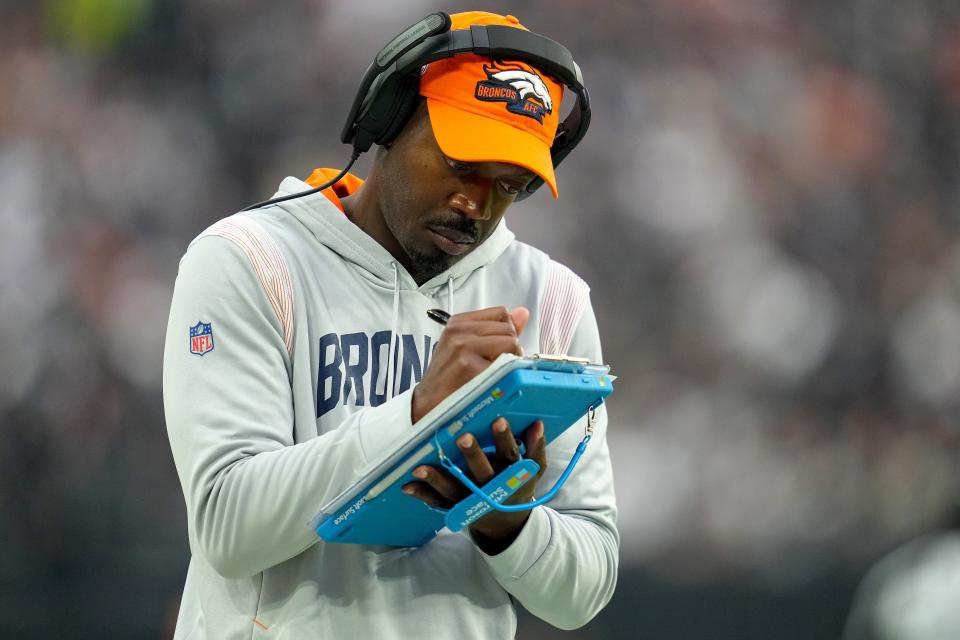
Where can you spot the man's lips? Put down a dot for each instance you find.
(454, 235)
(451, 241)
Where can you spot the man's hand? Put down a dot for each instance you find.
(495, 531)
(468, 344)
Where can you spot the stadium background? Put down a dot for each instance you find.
(765, 206)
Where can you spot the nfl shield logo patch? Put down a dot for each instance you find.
(201, 338)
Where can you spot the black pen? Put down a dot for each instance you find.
(438, 315)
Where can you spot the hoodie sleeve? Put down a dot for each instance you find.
(563, 565)
(250, 489)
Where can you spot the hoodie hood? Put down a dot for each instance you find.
(333, 229)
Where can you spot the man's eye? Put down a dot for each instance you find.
(510, 189)
(456, 164)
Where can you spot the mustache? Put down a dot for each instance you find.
(455, 223)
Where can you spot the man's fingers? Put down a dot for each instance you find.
(500, 314)
(441, 482)
(426, 493)
(476, 459)
(507, 451)
(441, 490)
(536, 445)
(477, 351)
(483, 328)
(513, 320)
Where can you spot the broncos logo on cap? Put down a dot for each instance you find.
(524, 91)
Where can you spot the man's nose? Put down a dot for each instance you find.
(472, 200)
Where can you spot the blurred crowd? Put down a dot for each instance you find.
(766, 208)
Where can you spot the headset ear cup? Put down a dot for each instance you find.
(407, 96)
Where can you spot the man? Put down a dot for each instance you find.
(297, 338)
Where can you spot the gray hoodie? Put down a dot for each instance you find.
(278, 396)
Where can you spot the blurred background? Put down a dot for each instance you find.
(766, 208)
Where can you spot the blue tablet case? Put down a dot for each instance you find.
(559, 391)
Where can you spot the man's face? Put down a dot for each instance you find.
(438, 209)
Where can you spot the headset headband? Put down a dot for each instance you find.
(389, 88)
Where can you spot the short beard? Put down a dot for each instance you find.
(427, 266)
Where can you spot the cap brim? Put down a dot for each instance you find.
(470, 137)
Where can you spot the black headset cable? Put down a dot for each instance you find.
(301, 194)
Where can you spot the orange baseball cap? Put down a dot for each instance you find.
(485, 110)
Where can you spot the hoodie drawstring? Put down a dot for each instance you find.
(450, 295)
(394, 332)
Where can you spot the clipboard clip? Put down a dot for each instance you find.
(550, 357)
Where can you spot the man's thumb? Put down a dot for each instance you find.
(520, 316)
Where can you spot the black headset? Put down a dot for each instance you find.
(389, 91)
